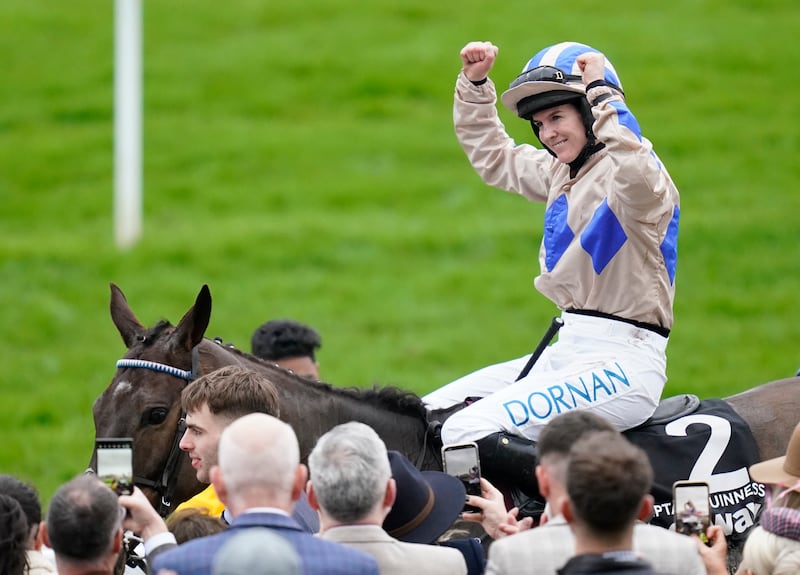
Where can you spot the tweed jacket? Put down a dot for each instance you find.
(544, 550)
(398, 557)
(319, 557)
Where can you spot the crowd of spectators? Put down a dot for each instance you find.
(375, 512)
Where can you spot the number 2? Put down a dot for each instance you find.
(718, 441)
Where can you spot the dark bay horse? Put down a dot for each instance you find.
(143, 401)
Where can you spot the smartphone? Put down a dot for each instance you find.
(691, 508)
(461, 460)
(115, 463)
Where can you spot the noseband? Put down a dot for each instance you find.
(166, 483)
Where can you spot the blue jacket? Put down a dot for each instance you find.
(319, 557)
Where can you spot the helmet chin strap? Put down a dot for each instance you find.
(587, 151)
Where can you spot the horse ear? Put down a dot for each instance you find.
(193, 324)
(123, 317)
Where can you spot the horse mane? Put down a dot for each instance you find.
(387, 397)
(152, 334)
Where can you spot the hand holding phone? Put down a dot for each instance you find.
(115, 463)
(461, 460)
(691, 508)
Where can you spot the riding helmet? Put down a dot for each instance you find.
(551, 78)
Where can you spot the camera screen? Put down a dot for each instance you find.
(691, 509)
(114, 465)
(463, 463)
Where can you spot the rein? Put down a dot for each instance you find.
(167, 482)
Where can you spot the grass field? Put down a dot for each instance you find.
(299, 158)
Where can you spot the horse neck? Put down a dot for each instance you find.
(209, 355)
(312, 408)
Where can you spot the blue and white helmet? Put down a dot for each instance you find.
(552, 77)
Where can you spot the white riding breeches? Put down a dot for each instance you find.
(610, 367)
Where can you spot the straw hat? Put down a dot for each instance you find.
(784, 470)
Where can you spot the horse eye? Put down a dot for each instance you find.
(155, 416)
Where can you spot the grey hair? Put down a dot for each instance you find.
(349, 469)
(82, 519)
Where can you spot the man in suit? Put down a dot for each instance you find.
(259, 477)
(543, 550)
(352, 488)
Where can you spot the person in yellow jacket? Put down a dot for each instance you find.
(211, 403)
(207, 499)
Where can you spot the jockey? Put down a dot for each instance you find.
(607, 257)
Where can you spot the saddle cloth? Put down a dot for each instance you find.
(711, 444)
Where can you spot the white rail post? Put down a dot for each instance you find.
(127, 122)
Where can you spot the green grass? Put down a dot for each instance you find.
(300, 159)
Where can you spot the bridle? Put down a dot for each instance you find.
(166, 483)
(183, 374)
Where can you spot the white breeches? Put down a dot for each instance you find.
(610, 367)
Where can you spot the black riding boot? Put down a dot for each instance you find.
(509, 462)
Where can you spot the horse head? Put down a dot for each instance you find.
(144, 404)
